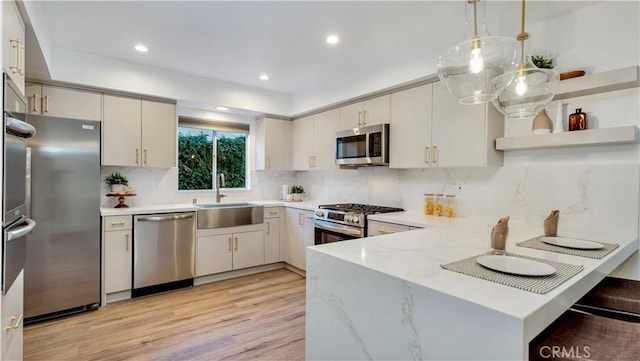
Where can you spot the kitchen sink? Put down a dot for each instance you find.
(218, 215)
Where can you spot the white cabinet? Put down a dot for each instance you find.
(273, 144)
(12, 320)
(410, 138)
(57, 101)
(117, 253)
(272, 222)
(313, 141)
(300, 234)
(431, 129)
(464, 135)
(377, 228)
(226, 249)
(13, 44)
(138, 132)
(370, 112)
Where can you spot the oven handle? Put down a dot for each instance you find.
(21, 231)
(328, 226)
(19, 128)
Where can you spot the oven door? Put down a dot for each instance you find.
(15, 169)
(329, 232)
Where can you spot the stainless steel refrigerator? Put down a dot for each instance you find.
(62, 269)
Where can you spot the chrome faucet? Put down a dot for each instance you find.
(219, 184)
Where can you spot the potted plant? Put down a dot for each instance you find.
(542, 62)
(116, 181)
(298, 192)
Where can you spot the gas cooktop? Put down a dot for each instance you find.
(359, 208)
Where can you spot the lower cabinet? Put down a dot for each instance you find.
(118, 244)
(377, 228)
(299, 235)
(272, 247)
(12, 320)
(227, 249)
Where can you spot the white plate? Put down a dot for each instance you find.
(515, 265)
(572, 243)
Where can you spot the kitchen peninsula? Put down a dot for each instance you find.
(387, 297)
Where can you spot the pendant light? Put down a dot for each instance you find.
(531, 90)
(470, 70)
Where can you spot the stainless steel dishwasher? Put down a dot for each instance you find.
(163, 252)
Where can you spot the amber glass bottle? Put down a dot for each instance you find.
(578, 120)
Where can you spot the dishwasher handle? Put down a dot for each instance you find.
(173, 217)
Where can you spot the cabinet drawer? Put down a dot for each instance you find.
(381, 228)
(272, 212)
(117, 223)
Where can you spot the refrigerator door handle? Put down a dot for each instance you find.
(21, 231)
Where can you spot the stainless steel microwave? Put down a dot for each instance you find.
(366, 146)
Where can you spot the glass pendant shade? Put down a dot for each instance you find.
(477, 70)
(532, 89)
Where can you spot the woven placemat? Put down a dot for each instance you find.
(535, 284)
(537, 243)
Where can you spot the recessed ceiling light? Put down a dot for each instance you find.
(264, 77)
(333, 39)
(222, 108)
(141, 48)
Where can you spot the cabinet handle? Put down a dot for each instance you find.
(268, 162)
(35, 102)
(364, 117)
(229, 243)
(384, 231)
(435, 154)
(268, 228)
(46, 104)
(273, 213)
(126, 242)
(14, 322)
(118, 223)
(137, 156)
(145, 157)
(17, 69)
(22, 66)
(236, 239)
(426, 155)
(300, 219)
(359, 115)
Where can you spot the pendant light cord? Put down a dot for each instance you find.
(476, 42)
(522, 37)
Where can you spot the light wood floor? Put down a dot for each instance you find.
(253, 317)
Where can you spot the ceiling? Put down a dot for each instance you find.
(237, 41)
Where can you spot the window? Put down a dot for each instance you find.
(209, 148)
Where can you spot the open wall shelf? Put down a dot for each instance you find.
(607, 81)
(602, 136)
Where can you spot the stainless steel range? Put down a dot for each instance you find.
(340, 222)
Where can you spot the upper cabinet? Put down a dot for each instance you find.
(313, 141)
(273, 144)
(410, 134)
(464, 135)
(370, 112)
(138, 132)
(63, 102)
(13, 61)
(431, 129)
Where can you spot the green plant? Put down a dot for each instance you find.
(297, 189)
(542, 61)
(116, 178)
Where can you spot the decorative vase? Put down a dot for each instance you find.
(558, 125)
(117, 188)
(541, 123)
(578, 120)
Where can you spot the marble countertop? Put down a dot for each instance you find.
(186, 207)
(415, 256)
